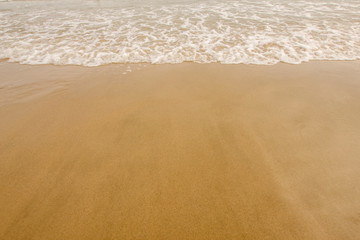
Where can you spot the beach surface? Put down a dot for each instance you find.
(184, 151)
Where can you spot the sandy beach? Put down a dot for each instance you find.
(184, 151)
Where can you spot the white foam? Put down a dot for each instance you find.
(229, 32)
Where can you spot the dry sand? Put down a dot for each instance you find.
(180, 152)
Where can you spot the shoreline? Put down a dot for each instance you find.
(183, 151)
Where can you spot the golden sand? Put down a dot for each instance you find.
(181, 151)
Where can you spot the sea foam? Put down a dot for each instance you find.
(228, 32)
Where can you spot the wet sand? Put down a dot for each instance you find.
(181, 151)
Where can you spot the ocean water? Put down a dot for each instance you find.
(93, 33)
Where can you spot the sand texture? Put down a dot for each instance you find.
(184, 151)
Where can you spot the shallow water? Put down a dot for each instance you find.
(92, 33)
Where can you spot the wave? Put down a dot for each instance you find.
(228, 32)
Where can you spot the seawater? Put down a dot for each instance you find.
(93, 33)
